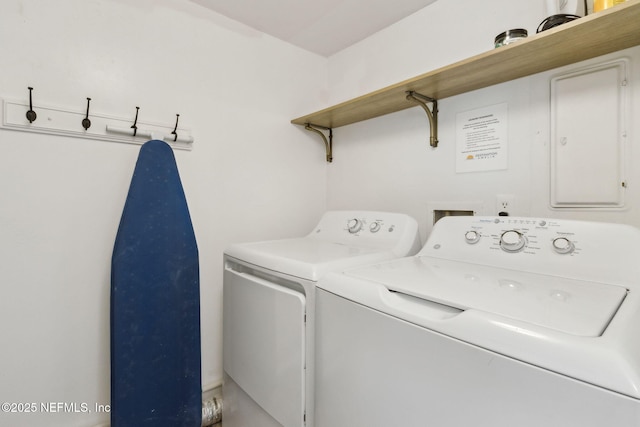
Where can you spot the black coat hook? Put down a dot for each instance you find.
(31, 115)
(134, 126)
(86, 123)
(175, 133)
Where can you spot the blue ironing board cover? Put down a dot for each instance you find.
(155, 301)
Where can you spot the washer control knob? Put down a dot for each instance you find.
(354, 225)
(472, 237)
(562, 245)
(375, 227)
(512, 241)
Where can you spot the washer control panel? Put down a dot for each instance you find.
(578, 249)
(522, 235)
(481, 237)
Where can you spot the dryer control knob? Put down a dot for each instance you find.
(562, 245)
(375, 227)
(354, 225)
(472, 237)
(512, 241)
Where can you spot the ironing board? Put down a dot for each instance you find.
(155, 302)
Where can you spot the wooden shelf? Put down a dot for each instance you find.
(594, 35)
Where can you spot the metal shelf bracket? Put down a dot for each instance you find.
(432, 114)
(328, 144)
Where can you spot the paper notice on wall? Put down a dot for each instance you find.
(481, 139)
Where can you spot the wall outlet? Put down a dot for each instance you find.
(505, 204)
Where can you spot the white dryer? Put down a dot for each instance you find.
(497, 322)
(268, 311)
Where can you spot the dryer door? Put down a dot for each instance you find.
(263, 343)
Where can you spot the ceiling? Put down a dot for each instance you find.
(321, 26)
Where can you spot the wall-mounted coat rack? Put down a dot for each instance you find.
(21, 116)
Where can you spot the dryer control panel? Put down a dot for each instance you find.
(553, 246)
(379, 230)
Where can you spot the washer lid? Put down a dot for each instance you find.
(575, 307)
(305, 257)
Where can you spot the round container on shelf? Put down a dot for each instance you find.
(599, 5)
(510, 36)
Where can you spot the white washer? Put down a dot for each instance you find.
(497, 322)
(268, 311)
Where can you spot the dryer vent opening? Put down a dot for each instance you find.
(211, 412)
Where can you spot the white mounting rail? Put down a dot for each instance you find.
(63, 122)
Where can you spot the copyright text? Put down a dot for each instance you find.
(53, 407)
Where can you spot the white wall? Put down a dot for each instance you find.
(387, 164)
(250, 176)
